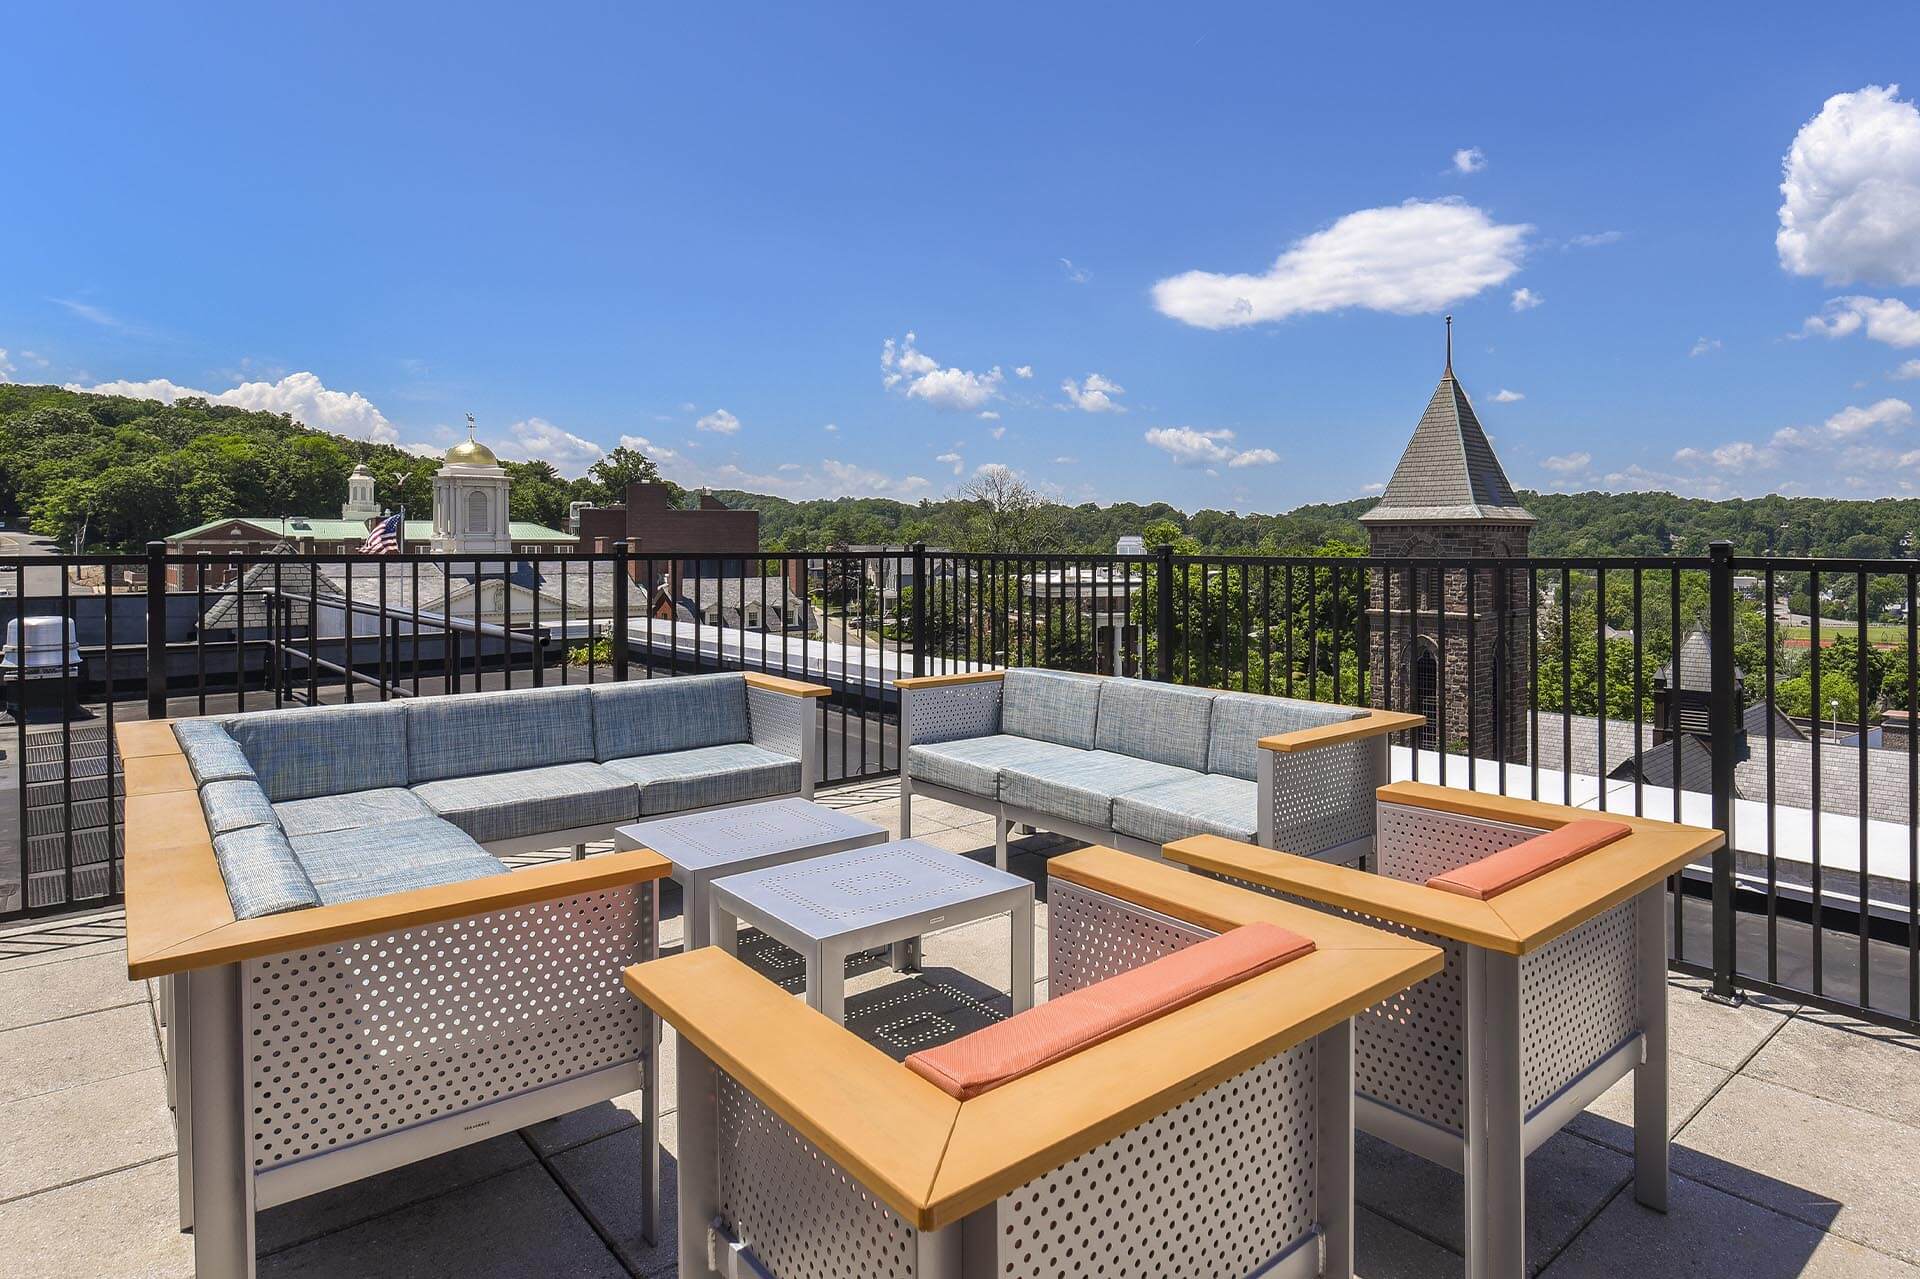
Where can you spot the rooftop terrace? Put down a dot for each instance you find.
(1797, 1132)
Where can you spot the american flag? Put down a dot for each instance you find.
(385, 537)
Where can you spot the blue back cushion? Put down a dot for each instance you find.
(473, 733)
(1240, 720)
(684, 713)
(211, 752)
(262, 875)
(324, 750)
(1050, 706)
(1165, 723)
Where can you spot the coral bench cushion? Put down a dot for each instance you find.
(1530, 859)
(999, 1054)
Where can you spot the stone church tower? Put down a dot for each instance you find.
(1438, 648)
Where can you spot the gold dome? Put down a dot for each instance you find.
(471, 453)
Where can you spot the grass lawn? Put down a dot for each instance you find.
(1879, 634)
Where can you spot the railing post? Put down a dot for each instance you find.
(156, 630)
(622, 565)
(1163, 613)
(1724, 722)
(919, 609)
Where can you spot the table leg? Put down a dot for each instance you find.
(1650, 1141)
(696, 924)
(904, 956)
(1496, 1161)
(827, 982)
(1020, 920)
(723, 930)
(223, 1238)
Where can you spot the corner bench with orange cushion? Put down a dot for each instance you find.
(1554, 925)
(1188, 1117)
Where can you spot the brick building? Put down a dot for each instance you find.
(1442, 636)
(706, 540)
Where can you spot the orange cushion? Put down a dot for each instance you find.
(1512, 867)
(998, 1054)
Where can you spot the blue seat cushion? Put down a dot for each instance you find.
(1211, 804)
(372, 861)
(235, 805)
(1166, 723)
(678, 780)
(1050, 706)
(532, 801)
(323, 750)
(323, 813)
(1240, 720)
(972, 765)
(212, 754)
(262, 873)
(1081, 787)
(686, 712)
(473, 733)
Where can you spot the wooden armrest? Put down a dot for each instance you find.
(879, 1121)
(1372, 724)
(141, 737)
(941, 681)
(792, 687)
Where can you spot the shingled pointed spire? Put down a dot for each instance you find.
(1448, 473)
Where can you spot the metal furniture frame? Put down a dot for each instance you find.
(1553, 991)
(833, 907)
(318, 1047)
(1215, 1139)
(1314, 786)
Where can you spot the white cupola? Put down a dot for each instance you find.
(470, 500)
(360, 504)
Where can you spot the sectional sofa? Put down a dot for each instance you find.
(1135, 764)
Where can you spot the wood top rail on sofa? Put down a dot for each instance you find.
(1516, 922)
(941, 681)
(1372, 724)
(933, 1159)
(792, 687)
(179, 917)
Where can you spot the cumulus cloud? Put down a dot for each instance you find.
(954, 460)
(831, 428)
(827, 479)
(1405, 259)
(1860, 447)
(1703, 346)
(1526, 299)
(997, 432)
(1024, 371)
(301, 396)
(6, 366)
(719, 422)
(1850, 206)
(1504, 396)
(1567, 463)
(1190, 447)
(1852, 420)
(907, 369)
(1094, 395)
(537, 440)
(1906, 372)
(1469, 160)
(989, 415)
(660, 453)
(1886, 320)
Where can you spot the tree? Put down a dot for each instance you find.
(1007, 516)
(1795, 698)
(538, 494)
(607, 480)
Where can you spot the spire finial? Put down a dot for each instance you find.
(1449, 364)
(1449, 351)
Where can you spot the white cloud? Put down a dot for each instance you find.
(720, 422)
(954, 460)
(997, 432)
(1526, 299)
(1404, 259)
(1024, 371)
(831, 428)
(1190, 447)
(1075, 274)
(1886, 320)
(536, 439)
(904, 367)
(659, 453)
(95, 315)
(6, 367)
(1469, 160)
(1597, 239)
(1703, 346)
(829, 478)
(1065, 460)
(1095, 394)
(1850, 207)
(1906, 372)
(1504, 396)
(1567, 463)
(989, 416)
(1852, 420)
(1861, 447)
(302, 396)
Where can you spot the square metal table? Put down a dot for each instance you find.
(828, 908)
(727, 841)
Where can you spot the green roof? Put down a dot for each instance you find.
(296, 527)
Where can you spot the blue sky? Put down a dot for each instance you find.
(1183, 253)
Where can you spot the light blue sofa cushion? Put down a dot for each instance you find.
(532, 801)
(685, 712)
(972, 764)
(1166, 723)
(211, 752)
(1240, 720)
(263, 875)
(371, 861)
(1081, 787)
(1050, 706)
(235, 805)
(728, 774)
(324, 750)
(323, 813)
(1212, 804)
(473, 733)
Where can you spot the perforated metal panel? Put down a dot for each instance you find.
(776, 721)
(1217, 1186)
(948, 712)
(1092, 936)
(802, 1217)
(368, 1037)
(1323, 798)
(1578, 1002)
(1415, 844)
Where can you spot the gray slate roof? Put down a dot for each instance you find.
(293, 578)
(1448, 473)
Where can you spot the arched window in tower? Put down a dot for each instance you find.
(478, 520)
(1426, 692)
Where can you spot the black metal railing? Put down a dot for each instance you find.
(1769, 697)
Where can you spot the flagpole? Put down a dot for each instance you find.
(400, 534)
